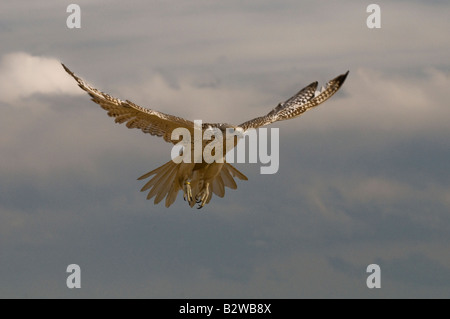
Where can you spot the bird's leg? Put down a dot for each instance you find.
(187, 189)
(202, 196)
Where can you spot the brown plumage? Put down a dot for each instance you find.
(199, 180)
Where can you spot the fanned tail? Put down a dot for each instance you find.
(226, 179)
(163, 184)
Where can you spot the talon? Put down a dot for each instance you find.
(202, 197)
(201, 204)
(187, 192)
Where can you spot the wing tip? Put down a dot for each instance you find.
(80, 82)
(66, 69)
(341, 78)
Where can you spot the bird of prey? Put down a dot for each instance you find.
(199, 180)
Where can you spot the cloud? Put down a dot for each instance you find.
(378, 102)
(23, 75)
(412, 268)
(363, 178)
(196, 98)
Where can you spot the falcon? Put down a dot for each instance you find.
(199, 180)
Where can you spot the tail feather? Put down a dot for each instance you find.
(228, 180)
(160, 182)
(209, 198)
(166, 186)
(234, 172)
(164, 183)
(218, 186)
(155, 171)
(225, 179)
(159, 173)
(172, 196)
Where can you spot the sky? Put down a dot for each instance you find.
(363, 179)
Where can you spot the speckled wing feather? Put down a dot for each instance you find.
(135, 116)
(303, 96)
(320, 97)
(304, 100)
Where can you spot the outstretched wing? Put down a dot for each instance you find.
(149, 121)
(304, 100)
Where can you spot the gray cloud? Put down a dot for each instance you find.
(363, 179)
(22, 75)
(413, 270)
